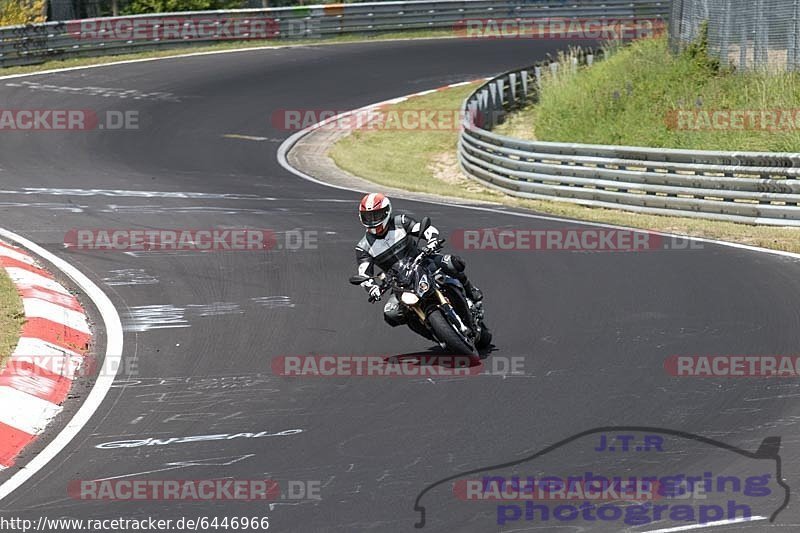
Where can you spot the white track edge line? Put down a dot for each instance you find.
(709, 524)
(214, 52)
(111, 364)
(288, 144)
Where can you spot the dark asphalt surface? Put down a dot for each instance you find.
(593, 328)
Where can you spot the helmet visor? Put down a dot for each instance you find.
(372, 219)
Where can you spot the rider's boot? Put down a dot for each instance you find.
(473, 292)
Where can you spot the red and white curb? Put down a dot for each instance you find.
(391, 102)
(401, 99)
(53, 345)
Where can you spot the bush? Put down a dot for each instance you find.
(697, 51)
(13, 12)
(167, 6)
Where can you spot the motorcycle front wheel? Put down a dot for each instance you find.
(446, 333)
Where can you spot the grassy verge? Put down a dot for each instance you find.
(635, 96)
(424, 161)
(229, 45)
(11, 316)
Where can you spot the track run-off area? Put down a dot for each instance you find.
(592, 330)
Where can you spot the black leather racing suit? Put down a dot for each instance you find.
(397, 242)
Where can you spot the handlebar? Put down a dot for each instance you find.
(384, 281)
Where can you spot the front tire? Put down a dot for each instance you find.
(446, 333)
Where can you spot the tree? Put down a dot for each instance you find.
(13, 12)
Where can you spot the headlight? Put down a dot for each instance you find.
(409, 298)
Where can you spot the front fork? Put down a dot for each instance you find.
(447, 308)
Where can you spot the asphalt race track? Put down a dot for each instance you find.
(593, 329)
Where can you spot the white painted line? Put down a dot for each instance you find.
(459, 84)
(397, 100)
(245, 137)
(709, 524)
(37, 308)
(25, 279)
(111, 365)
(15, 254)
(288, 144)
(24, 411)
(217, 52)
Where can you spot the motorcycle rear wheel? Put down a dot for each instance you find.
(485, 338)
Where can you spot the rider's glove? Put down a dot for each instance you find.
(433, 245)
(373, 290)
(374, 293)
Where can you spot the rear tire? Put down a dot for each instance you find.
(485, 339)
(445, 333)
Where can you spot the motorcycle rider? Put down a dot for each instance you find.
(389, 239)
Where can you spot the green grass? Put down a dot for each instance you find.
(424, 161)
(11, 316)
(228, 45)
(406, 158)
(627, 99)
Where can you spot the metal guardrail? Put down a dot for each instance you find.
(748, 187)
(24, 45)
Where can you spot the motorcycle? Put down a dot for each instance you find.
(436, 304)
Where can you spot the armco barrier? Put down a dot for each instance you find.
(24, 45)
(749, 187)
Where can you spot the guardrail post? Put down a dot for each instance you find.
(523, 80)
(472, 113)
(483, 100)
(501, 110)
(512, 88)
(538, 72)
(492, 109)
(500, 91)
(554, 69)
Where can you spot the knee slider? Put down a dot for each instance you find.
(393, 313)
